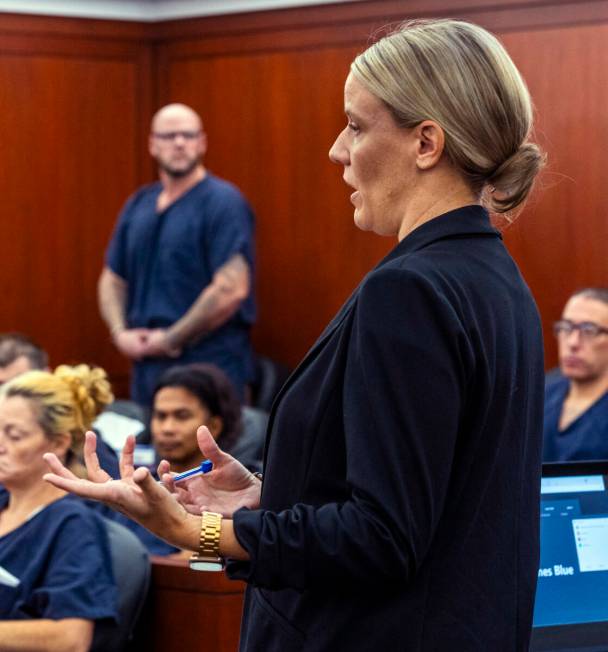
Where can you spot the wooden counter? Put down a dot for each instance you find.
(189, 610)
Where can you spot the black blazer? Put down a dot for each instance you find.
(400, 502)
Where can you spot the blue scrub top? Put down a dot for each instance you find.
(61, 560)
(586, 438)
(167, 258)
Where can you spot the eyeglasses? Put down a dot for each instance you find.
(588, 329)
(172, 135)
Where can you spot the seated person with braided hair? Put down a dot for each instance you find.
(55, 565)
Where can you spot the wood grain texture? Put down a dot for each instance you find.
(76, 97)
(560, 239)
(270, 92)
(190, 610)
(71, 136)
(271, 121)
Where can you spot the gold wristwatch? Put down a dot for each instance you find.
(208, 556)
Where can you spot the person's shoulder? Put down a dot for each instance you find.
(555, 382)
(401, 272)
(141, 194)
(219, 184)
(147, 189)
(398, 290)
(72, 508)
(220, 190)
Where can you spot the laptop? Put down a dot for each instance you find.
(571, 608)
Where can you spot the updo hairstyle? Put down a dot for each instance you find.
(65, 401)
(460, 76)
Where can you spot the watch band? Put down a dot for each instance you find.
(208, 555)
(209, 542)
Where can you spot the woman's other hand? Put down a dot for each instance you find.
(226, 488)
(136, 494)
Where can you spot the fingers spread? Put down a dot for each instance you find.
(146, 483)
(57, 467)
(167, 480)
(82, 488)
(94, 470)
(208, 445)
(126, 458)
(163, 467)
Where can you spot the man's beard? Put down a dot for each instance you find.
(178, 173)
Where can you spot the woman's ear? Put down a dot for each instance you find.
(60, 444)
(215, 425)
(430, 144)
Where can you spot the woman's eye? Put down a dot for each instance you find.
(353, 127)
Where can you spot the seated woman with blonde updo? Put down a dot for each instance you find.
(55, 566)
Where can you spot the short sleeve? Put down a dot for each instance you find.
(78, 580)
(230, 230)
(116, 252)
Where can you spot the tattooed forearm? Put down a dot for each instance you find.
(215, 304)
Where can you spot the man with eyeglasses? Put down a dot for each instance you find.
(177, 283)
(576, 399)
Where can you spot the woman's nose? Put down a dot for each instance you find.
(338, 152)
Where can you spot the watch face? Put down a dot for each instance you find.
(209, 564)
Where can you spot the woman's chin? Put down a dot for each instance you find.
(360, 220)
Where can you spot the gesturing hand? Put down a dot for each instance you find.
(136, 494)
(228, 487)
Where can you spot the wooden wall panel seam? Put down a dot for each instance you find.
(270, 120)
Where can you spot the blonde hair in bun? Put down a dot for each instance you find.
(460, 76)
(65, 401)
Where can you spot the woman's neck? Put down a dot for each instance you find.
(436, 194)
(24, 500)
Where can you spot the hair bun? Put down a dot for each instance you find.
(514, 178)
(90, 388)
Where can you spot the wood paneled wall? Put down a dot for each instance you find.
(75, 101)
(76, 97)
(270, 90)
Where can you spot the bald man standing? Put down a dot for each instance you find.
(177, 282)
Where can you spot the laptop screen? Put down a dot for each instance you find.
(571, 608)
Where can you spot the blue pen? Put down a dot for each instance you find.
(204, 467)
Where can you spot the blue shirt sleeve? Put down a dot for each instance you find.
(116, 253)
(229, 231)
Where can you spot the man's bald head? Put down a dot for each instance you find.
(173, 112)
(177, 141)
